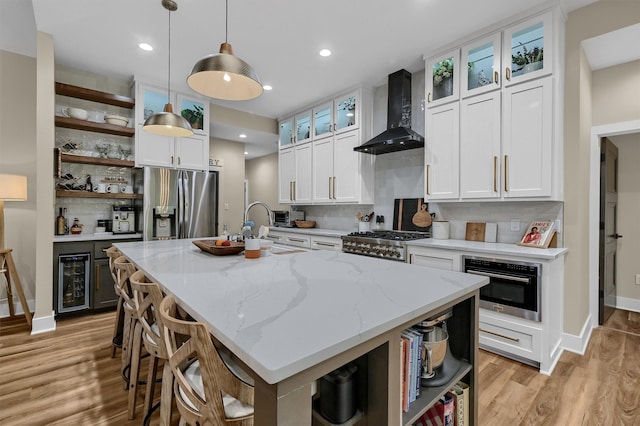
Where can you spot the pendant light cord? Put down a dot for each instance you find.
(226, 21)
(169, 64)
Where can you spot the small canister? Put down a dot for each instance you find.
(338, 394)
(440, 230)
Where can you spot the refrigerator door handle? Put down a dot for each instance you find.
(181, 210)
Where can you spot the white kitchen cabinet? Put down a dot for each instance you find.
(285, 134)
(341, 174)
(191, 152)
(528, 49)
(321, 242)
(482, 73)
(480, 146)
(434, 258)
(441, 152)
(527, 129)
(297, 240)
(302, 127)
(442, 79)
(338, 115)
(295, 174)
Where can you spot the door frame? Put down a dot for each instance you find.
(597, 133)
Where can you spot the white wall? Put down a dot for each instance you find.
(231, 197)
(262, 174)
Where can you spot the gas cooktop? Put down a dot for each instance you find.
(383, 244)
(392, 235)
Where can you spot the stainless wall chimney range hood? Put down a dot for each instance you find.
(398, 136)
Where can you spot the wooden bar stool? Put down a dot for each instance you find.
(124, 270)
(8, 269)
(113, 253)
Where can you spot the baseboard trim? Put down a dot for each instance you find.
(17, 306)
(578, 344)
(628, 304)
(43, 324)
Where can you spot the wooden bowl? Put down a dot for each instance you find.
(210, 247)
(305, 223)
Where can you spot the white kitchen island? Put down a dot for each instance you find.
(293, 317)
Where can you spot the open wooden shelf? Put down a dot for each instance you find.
(87, 194)
(94, 95)
(82, 159)
(110, 129)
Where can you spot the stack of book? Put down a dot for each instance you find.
(411, 351)
(451, 410)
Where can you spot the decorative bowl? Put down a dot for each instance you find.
(210, 247)
(305, 223)
(118, 120)
(77, 113)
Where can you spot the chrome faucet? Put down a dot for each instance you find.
(269, 212)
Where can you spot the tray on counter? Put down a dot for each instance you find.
(210, 247)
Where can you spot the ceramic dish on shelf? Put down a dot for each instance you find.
(210, 247)
(305, 223)
(118, 120)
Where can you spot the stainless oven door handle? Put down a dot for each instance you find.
(502, 277)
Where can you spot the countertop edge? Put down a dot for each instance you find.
(311, 231)
(504, 249)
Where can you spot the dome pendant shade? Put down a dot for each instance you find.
(167, 123)
(225, 76)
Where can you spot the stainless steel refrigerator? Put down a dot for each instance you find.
(179, 204)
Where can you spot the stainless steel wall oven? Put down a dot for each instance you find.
(514, 286)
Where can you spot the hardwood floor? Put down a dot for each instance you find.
(68, 377)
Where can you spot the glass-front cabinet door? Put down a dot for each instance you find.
(346, 112)
(323, 120)
(286, 133)
(153, 101)
(483, 66)
(527, 49)
(442, 78)
(303, 127)
(196, 112)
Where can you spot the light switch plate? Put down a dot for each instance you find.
(515, 225)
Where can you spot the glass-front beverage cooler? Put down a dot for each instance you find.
(73, 282)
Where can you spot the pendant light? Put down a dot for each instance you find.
(225, 76)
(167, 123)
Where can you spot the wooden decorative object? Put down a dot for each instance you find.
(210, 247)
(305, 223)
(475, 231)
(11, 272)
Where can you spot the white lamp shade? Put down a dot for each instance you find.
(13, 187)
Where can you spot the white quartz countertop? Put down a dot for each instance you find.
(94, 237)
(491, 248)
(311, 231)
(284, 313)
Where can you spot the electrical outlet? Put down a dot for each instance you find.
(515, 225)
(226, 206)
(637, 279)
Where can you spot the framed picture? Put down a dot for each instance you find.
(539, 234)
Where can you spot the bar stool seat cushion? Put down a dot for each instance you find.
(233, 408)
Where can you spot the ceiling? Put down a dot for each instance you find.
(279, 38)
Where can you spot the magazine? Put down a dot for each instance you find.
(538, 234)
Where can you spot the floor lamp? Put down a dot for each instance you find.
(12, 188)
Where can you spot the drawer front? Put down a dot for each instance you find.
(326, 243)
(99, 248)
(298, 240)
(277, 237)
(514, 339)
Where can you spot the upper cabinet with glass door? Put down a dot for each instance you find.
(339, 115)
(196, 112)
(442, 78)
(286, 133)
(303, 127)
(483, 66)
(527, 49)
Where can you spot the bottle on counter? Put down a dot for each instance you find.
(60, 224)
(66, 221)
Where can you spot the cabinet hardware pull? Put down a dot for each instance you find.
(507, 74)
(506, 173)
(320, 243)
(426, 182)
(334, 187)
(495, 77)
(104, 250)
(513, 339)
(495, 173)
(97, 277)
(429, 97)
(411, 258)
(290, 191)
(178, 161)
(330, 196)
(297, 240)
(172, 159)
(499, 276)
(294, 191)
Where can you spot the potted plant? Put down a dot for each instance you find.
(194, 116)
(528, 60)
(443, 78)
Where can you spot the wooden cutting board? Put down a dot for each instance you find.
(411, 214)
(475, 231)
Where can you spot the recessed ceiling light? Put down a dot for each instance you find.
(146, 47)
(325, 52)
(242, 135)
(267, 87)
(246, 153)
